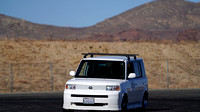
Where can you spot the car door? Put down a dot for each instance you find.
(131, 92)
(138, 82)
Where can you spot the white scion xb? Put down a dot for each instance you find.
(113, 82)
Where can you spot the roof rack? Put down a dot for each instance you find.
(127, 55)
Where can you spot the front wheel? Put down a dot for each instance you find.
(124, 104)
(145, 101)
(67, 110)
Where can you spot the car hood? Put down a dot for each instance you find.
(94, 81)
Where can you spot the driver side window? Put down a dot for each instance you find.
(130, 68)
(137, 69)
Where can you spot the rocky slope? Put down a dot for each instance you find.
(174, 20)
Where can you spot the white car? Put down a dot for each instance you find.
(113, 82)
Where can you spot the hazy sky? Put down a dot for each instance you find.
(68, 13)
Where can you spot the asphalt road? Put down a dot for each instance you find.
(159, 101)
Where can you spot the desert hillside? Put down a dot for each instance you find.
(174, 20)
(31, 62)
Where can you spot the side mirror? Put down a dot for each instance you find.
(132, 76)
(72, 73)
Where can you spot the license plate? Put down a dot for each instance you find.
(88, 100)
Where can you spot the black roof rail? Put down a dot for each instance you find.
(108, 54)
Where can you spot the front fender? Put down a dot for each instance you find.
(125, 87)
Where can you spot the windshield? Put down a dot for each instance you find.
(101, 69)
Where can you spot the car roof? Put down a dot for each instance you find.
(111, 58)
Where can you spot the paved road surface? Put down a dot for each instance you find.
(159, 101)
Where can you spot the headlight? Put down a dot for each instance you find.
(70, 86)
(112, 88)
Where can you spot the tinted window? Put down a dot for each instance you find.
(130, 68)
(139, 69)
(101, 69)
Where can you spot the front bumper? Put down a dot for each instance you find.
(103, 100)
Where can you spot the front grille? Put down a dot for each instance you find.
(92, 96)
(96, 104)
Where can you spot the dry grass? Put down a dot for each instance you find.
(31, 62)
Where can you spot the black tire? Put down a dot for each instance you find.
(64, 110)
(145, 101)
(124, 104)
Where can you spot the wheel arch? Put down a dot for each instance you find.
(146, 93)
(125, 95)
(124, 99)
